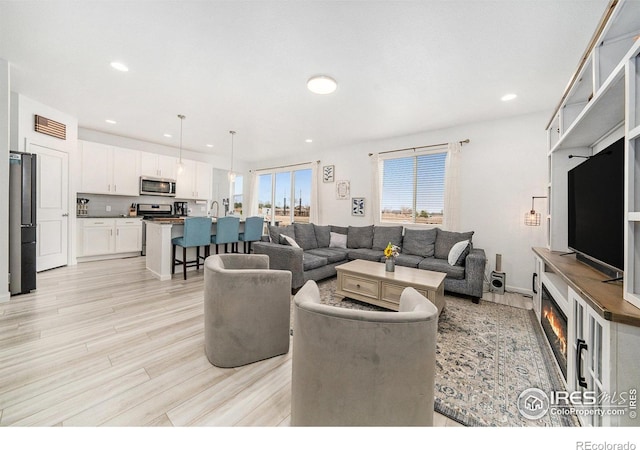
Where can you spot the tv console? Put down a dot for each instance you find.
(603, 339)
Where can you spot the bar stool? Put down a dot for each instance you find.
(227, 231)
(197, 232)
(253, 227)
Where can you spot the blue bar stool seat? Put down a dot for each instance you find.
(253, 227)
(227, 231)
(197, 232)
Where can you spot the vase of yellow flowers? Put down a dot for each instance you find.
(390, 253)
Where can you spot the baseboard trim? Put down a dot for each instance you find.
(4, 297)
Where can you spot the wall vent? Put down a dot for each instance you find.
(50, 127)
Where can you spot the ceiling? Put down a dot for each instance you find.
(403, 67)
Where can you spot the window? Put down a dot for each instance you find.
(285, 197)
(236, 195)
(412, 189)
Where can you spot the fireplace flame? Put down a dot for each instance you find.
(557, 328)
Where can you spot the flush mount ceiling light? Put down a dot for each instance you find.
(508, 97)
(111, 121)
(119, 66)
(210, 145)
(167, 135)
(322, 84)
(308, 141)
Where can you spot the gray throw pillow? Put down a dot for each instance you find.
(275, 232)
(360, 237)
(447, 239)
(383, 235)
(305, 235)
(337, 229)
(419, 242)
(323, 236)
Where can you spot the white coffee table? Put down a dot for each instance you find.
(368, 282)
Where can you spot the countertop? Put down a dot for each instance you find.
(121, 216)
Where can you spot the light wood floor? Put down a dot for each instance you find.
(104, 343)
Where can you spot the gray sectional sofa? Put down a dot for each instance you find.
(312, 252)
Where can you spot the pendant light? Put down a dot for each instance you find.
(180, 164)
(232, 175)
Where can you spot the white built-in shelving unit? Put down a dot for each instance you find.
(600, 105)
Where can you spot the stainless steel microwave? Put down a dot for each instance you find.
(157, 186)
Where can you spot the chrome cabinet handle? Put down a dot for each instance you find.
(65, 215)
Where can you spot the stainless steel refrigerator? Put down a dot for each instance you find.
(22, 222)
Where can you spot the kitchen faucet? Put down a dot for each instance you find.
(217, 207)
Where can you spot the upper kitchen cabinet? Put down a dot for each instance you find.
(160, 166)
(194, 182)
(108, 170)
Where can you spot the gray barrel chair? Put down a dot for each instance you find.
(363, 368)
(246, 309)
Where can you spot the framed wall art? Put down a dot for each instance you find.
(342, 190)
(328, 173)
(357, 206)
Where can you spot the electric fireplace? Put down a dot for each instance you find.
(554, 324)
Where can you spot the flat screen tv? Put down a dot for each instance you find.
(596, 208)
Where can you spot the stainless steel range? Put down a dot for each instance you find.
(149, 211)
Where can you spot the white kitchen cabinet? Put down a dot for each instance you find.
(109, 170)
(203, 180)
(158, 166)
(108, 238)
(95, 178)
(194, 182)
(128, 235)
(96, 237)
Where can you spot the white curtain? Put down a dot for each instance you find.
(253, 194)
(451, 188)
(376, 188)
(313, 209)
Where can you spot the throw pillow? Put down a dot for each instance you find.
(338, 240)
(458, 249)
(360, 237)
(276, 231)
(419, 242)
(323, 235)
(383, 235)
(305, 235)
(446, 239)
(287, 240)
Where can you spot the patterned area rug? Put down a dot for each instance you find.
(486, 355)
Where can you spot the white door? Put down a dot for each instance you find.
(53, 207)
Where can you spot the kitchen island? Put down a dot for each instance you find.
(159, 233)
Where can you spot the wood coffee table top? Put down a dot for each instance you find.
(404, 275)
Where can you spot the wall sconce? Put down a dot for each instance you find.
(532, 218)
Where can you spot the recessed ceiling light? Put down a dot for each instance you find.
(507, 97)
(322, 84)
(210, 145)
(111, 121)
(167, 135)
(119, 66)
(308, 141)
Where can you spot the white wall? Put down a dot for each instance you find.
(5, 95)
(502, 167)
